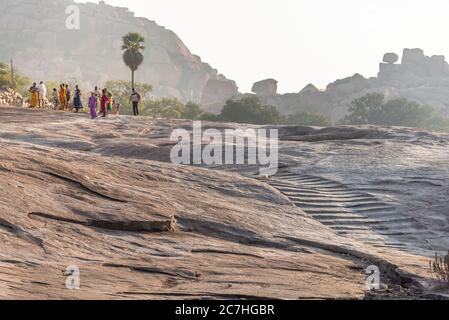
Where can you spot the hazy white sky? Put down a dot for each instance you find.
(299, 41)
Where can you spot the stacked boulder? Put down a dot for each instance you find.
(9, 97)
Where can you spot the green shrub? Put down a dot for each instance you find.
(250, 109)
(21, 84)
(308, 119)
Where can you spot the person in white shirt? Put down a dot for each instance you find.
(135, 99)
(42, 94)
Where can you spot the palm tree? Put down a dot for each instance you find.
(132, 55)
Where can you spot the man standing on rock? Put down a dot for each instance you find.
(135, 99)
(42, 94)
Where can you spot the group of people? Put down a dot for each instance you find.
(61, 100)
(38, 94)
(104, 100)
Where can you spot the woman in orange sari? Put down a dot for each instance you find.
(62, 96)
(34, 101)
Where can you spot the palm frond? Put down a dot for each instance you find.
(133, 47)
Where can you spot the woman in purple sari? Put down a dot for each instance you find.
(93, 105)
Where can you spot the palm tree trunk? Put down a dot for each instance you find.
(132, 79)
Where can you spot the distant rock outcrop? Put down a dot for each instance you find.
(34, 34)
(268, 87)
(310, 88)
(391, 58)
(216, 92)
(418, 78)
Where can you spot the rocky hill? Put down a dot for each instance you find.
(34, 34)
(417, 77)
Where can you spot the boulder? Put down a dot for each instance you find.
(350, 84)
(266, 87)
(309, 89)
(390, 58)
(216, 92)
(389, 70)
(438, 66)
(413, 57)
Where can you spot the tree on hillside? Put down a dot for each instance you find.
(172, 108)
(250, 109)
(373, 109)
(50, 84)
(193, 111)
(364, 110)
(132, 55)
(21, 83)
(207, 116)
(4, 76)
(405, 113)
(308, 119)
(121, 93)
(165, 108)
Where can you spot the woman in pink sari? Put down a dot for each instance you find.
(93, 105)
(104, 103)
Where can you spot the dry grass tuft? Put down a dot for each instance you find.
(439, 268)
